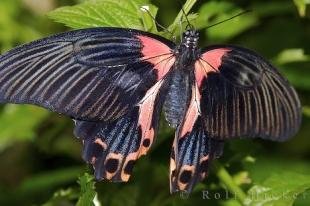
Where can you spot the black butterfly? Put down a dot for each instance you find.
(114, 83)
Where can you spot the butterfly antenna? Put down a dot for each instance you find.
(241, 13)
(185, 15)
(156, 22)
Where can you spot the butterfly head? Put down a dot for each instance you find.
(190, 38)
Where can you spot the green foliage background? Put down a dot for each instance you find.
(40, 161)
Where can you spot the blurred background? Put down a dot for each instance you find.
(40, 159)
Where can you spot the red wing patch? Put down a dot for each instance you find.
(157, 53)
(146, 116)
(209, 61)
(192, 112)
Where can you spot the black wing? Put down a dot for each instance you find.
(193, 150)
(242, 95)
(112, 148)
(90, 74)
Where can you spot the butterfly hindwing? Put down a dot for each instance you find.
(242, 95)
(193, 149)
(112, 148)
(191, 157)
(90, 74)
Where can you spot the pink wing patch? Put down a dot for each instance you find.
(209, 61)
(146, 115)
(192, 112)
(158, 54)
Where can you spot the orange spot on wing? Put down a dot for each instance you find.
(204, 173)
(172, 168)
(117, 156)
(158, 54)
(101, 143)
(191, 168)
(132, 156)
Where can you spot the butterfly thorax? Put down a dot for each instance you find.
(190, 39)
(187, 52)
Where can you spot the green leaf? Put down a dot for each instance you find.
(275, 183)
(303, 199)
(149, 13)
(297, 74)
(88, 193)
(12, 30)
(97, 13)
(306, 110)
(302, 6)
(294, 63)
(47, 180)
(230, 202)
(292, 55)
(280, 189)
(62, 197)
(25, 118)
(174, 28)
(214, 12)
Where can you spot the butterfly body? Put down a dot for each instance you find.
(175, 104)
(114, 83)
(182, 77)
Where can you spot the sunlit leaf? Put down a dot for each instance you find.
(11, 30)
(276, 183)
(292, 55)
(213, 12)
(302, 6)
(99, 13)
(278, 189)
(149, 13)
(62, 197)
(87, 193)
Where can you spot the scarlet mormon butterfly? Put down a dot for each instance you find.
(114, 82)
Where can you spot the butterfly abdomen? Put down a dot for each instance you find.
(177, 97)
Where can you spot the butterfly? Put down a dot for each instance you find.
(114, 83)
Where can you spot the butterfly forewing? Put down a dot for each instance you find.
(91, 74)
(112, 81)
(242, 95)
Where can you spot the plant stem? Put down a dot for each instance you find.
(228, 181)
(186, 7)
